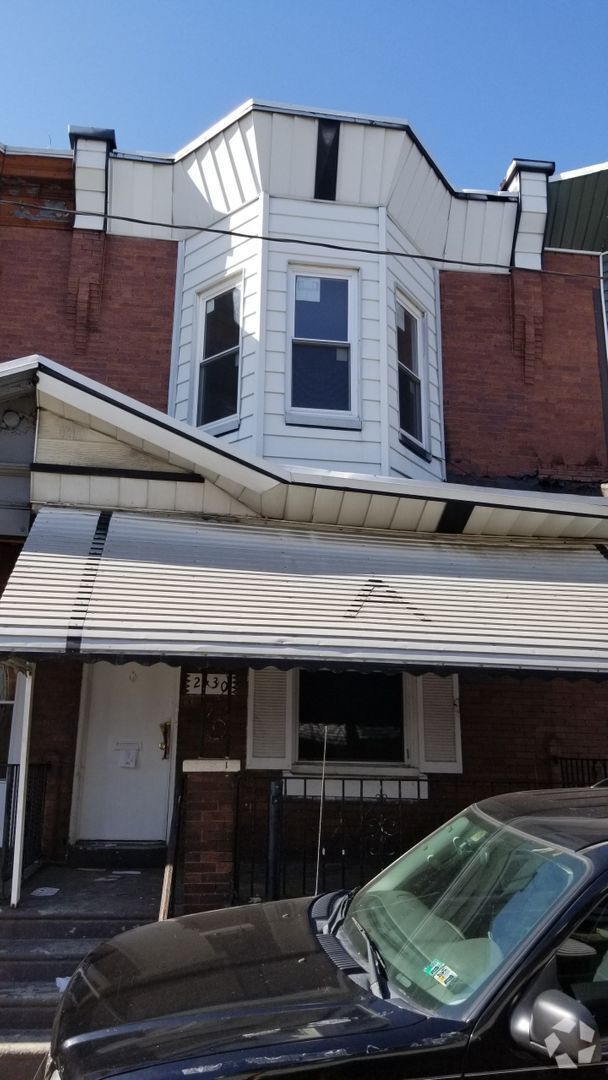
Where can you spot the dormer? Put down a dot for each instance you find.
(307, 325)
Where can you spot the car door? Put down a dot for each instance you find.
(574, 963)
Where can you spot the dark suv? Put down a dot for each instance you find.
(482, 952)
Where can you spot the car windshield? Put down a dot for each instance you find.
(448, 914)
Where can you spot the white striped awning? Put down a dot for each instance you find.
(126, 584)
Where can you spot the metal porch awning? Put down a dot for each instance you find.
(115, 585)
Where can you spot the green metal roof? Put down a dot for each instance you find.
(578, 211)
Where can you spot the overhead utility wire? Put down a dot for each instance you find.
(297, 240)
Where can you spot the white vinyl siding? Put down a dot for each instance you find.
(213, 262)
(431, 724)
(334, 447)
(413, 284)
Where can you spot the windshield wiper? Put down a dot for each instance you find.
(339, 912)
(378, 982)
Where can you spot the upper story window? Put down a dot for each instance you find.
(410, 375)
(218, 389)
(322, 378)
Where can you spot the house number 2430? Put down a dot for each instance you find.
(213, 684)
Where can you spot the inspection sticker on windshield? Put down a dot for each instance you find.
(441, 972)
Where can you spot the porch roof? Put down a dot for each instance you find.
(103, 585)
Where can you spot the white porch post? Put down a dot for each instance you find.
(23, 705)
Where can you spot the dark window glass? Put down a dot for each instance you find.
(410, 396)
(410, 411)
(219, 378)
(222, 323)
(8, 677)
(320, 377)
(363, 715)
(321, 309)
(326, 171)
(6, 715)
(219, 388)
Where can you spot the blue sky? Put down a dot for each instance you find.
(481, 81)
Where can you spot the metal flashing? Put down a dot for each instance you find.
(547, 168)
(107, 135)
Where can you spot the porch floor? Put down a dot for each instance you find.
(122, 894)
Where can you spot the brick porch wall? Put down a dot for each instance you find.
(521, 370)
(511, 730)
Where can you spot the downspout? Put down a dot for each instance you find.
(23, 702)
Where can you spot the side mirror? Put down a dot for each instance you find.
(558, 1027)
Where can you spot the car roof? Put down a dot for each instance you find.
(575, 818)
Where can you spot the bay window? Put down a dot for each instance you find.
(218, 388)
(409, 372)
(322, 378)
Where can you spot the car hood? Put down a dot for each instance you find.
(220, 983)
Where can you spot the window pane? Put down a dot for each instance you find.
(8, 680)
(410, 406)
(407, 339)
(6, 715)
(320, 377)
(222, 323)
(218, 388)
(321, 308)
(363, 715)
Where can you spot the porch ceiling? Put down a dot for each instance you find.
(132, 585)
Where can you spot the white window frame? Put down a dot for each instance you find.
(335, 418)
(225, 423)
(421, 322)
(407, 767)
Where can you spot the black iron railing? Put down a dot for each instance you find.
(34, 817)
(581, 772)
(365, 824)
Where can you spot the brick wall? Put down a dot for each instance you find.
(521, 364)
(102, 305)
(53, 742)
(512, 728)
(208, 840)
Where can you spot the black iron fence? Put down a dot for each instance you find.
(34, 817)
(581, 772)
(362, 825)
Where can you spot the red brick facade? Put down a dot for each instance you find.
(524, 406)
(100, 304)
(523, 401)
(513, 730)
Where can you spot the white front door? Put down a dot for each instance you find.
(123, 782)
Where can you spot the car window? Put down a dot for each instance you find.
(449, 914)
(582, 964)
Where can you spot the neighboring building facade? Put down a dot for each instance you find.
(334, 331)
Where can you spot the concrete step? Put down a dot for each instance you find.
(25, 1006)
(24, 960)
(22, 1053)
(13, 925)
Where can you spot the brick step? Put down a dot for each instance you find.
(25, 960)
(25, 1006)
(22, 1052)
(15, 925)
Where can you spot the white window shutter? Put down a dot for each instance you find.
(439, 724)
(269, 734)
